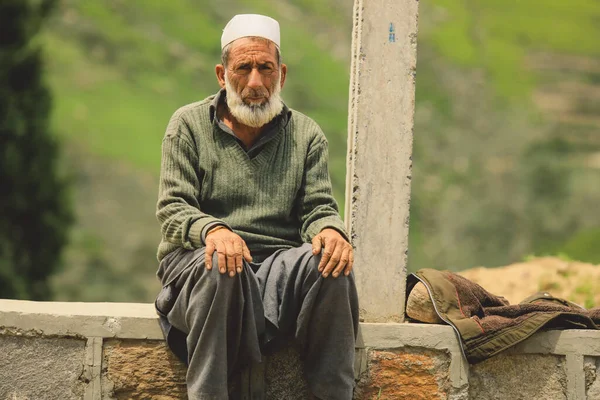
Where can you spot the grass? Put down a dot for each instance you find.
(498, 34)
(587, 292)
(584, 245)
(120, 69)
(562, 256)
(547, 284)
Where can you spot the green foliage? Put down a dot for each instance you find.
(122, 68)
(499, 35)
(587, 290)
(494, 177)
(103, 278)
(119, 69)
(34, 211)
(562, 256)
(584, 245)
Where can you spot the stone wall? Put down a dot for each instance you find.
(115, 351)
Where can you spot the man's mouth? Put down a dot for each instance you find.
(255, 101)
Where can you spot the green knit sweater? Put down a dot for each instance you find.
(277, 197)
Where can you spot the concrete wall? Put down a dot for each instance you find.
(379, 162)
(115, 351)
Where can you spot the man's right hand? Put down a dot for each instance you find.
(230, 249)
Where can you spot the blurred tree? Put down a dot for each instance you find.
(35, 213)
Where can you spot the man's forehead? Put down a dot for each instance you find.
(253, 47)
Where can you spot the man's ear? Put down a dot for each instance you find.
(283, 74)
(220, 72)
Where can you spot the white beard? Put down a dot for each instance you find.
(254, 115)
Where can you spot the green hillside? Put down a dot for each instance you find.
(500, 35)
(506, 132)
(120, 69)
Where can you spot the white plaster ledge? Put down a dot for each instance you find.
(139, 321)
(106, 320)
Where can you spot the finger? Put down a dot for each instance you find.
(344, 258)
(246, 252)
(208, 254)
(316, 245)
(230, 258)
(350, 262)
(326, 254)
(238, 248)
(222, 260)
(335, 258)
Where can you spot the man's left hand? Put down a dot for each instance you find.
(338, 255)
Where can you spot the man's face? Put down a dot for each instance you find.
(253, 80)
(253, 70)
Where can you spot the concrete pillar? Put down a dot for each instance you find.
(380, 123)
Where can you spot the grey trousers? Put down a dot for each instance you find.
(227, 322)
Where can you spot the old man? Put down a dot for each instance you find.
(253, 249)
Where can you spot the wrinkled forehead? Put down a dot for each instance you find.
(253, 48)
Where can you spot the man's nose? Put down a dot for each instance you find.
(255, 79)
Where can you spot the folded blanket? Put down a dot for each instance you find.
(487, 324)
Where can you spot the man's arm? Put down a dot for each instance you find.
(320, 220)
(178, 209)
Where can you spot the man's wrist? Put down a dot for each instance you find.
(338, 231)
(209, 227)
(216, 228)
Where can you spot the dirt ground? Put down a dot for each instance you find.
(572, 280)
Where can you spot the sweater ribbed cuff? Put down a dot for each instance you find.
(200, 228)
(332, 222)
(211, 225)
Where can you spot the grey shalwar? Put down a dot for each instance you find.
(227, 322)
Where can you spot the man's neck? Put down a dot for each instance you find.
(247, 134)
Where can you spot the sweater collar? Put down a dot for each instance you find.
(276, 125)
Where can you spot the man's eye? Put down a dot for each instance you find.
(266, 70)
(244, 67)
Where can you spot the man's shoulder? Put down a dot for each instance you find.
(193, 109)
(301, 118)
(190, 120)
(305, 125)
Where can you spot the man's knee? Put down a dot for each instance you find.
(314, 260)
(212, 279)
(310, 262)
(341, 284)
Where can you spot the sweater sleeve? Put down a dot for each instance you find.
(318, 208)
(178, 210)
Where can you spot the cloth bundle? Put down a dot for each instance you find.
(485, 323)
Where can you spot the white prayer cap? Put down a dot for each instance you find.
(244, 25)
